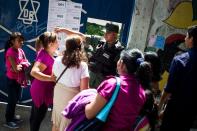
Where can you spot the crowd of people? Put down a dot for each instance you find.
(56, 81)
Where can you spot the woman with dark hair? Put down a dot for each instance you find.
(155, 62)
(44, 80)
(153, 94)
(14, 56)
(74, 79)
(135, 75)
(181, 90)
(9, 42)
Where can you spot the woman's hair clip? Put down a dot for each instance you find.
(139, 61)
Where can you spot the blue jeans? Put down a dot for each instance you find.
(14, 93)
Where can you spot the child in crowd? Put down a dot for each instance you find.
(155, 62)
(149, 109)
(15, 63)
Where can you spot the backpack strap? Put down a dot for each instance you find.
(103, 114)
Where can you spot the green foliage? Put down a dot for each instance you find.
(94, 29)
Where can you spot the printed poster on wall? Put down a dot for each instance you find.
(63, 14)
(157, 41)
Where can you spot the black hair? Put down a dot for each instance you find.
(155, 62)
(9, 42)
(133, 59)
(149, 109)
(192, 32)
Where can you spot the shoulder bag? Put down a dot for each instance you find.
(96, 123)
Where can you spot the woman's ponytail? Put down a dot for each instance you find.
(144, 74)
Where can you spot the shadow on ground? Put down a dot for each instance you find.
(24, 112)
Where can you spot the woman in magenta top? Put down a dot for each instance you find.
(14, 56)
(44, 80)
(42, 91)
(135, 78)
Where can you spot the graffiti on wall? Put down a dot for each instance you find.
(171, 23)
(28, 15)
(181, 16)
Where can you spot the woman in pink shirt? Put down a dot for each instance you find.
(44, 80)
(135, 75)
(14, 56)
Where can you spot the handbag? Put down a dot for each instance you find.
(96, 123)
(28, 71)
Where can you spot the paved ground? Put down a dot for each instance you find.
(24, 112)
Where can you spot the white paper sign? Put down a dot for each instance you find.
(63, 14)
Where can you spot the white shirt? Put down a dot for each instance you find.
(73, 75)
